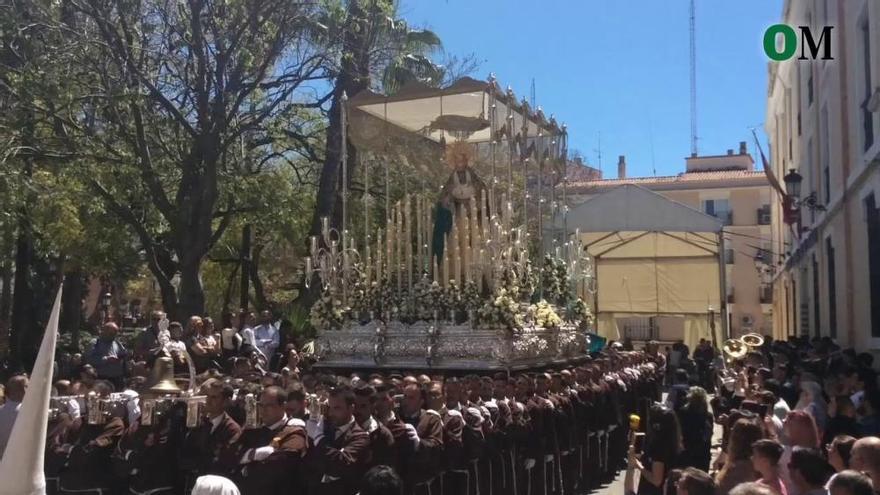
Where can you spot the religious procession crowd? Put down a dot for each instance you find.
(799, 417)
(309, 431)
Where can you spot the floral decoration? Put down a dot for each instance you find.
(327, 313)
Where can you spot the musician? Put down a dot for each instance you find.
(146, 453)
(203, 447)
(382, 451)
(269, 459)
(340, 447)
(89, 456)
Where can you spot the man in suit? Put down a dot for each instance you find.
(338, 458)
(203, 446)
(382, 450)
(425, 432)
(269, 459)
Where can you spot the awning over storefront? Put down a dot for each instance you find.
(653, 257)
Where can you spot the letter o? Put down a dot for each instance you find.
(789, 42)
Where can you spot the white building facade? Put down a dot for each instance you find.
(823, 121)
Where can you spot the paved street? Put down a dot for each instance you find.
(616, 486)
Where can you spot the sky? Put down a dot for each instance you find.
(619, 69)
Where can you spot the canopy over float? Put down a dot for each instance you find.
(457, 278)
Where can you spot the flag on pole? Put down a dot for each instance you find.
(21, 468)
(768, 170)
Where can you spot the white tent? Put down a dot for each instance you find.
(653, 257)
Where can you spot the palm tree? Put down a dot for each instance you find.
(376, 50)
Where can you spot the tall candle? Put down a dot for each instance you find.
(445, 260)
(398, 239)
(389, 239)
(468, 254)
(367, 263)
(419, 253)
(409, 242)
(379, 249)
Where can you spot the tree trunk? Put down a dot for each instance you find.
(23, 296)
(354, 77)
(6, 279)
(191, 296)
(259, 293)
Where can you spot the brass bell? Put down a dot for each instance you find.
(163, 378)
(734, 349)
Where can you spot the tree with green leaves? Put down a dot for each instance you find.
(169, 108)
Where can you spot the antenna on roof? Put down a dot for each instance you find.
(598, 151)
(693, 60)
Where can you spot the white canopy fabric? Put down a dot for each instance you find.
(417, 107)
(653, 257)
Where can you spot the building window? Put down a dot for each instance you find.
(764, 215)
(873, 219)
(867, 115)
(788, 115)
(729, 257)
(817, 315)
(832, 288)
(720, 209)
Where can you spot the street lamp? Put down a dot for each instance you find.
(793, 183)
(794, 201)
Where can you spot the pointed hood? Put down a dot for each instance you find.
(22, 466)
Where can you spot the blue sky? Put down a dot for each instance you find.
(620, 68)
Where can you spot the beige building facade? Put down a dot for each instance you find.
(822, 122)
(729, 188)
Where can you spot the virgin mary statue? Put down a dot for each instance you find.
(462, 191)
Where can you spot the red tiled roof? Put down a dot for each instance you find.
(686, 180)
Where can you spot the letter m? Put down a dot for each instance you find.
(808, 41)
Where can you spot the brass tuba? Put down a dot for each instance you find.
(734, 349)
(752, 341)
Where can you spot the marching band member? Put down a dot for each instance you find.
(269, 459)
(89, 456)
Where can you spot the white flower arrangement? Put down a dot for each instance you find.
(544, 315)
(502, 310)
(327, 313)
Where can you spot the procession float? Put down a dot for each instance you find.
(464, 272)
